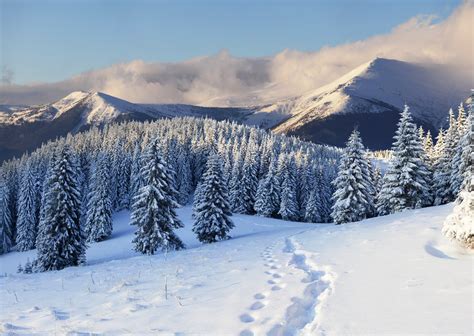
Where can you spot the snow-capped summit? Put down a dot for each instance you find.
(94, 108)
(371, 97)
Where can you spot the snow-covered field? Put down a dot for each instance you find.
(390, 275)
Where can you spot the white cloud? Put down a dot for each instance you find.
(226, 80)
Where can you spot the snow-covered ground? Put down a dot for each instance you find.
(389, 275)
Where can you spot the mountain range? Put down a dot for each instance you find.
(369, 97)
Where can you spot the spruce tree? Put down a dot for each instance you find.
(267, 201)
(135, 174)
(62, 242)
(406, 183)
(428, 146)
(353, 198)
(457, 163)
(27, 221)
(6, 221)
(288, 202)
(235, 184)
(99, 207)
(459, 224)
(153, 207)
(313, 208)
(212, 210)
(325, 176)
(123, 162)
(246, 190)
(442, 168)
(183, 178)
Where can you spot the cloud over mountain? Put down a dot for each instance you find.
(222, 79)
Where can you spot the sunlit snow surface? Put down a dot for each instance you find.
(389, 275)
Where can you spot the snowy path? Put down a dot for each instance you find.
(393, 274)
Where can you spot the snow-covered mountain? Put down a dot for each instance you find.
(25, 128)
(95, 108)
(369, 97)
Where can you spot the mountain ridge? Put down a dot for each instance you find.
(369, 97)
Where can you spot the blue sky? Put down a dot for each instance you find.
(46, 41)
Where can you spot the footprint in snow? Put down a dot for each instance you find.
(257, 305)
(246, 318)
(259, 296)
(246, 332)
(277, 287)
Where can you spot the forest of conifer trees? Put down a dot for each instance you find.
(62, 196)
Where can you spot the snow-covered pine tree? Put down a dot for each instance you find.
(235, 184)
(62, 241)
(288, 202)
(466, 163)
(305, 182)
(153, 207)
(135, 173)
(421, 133)
(98, 224)
(461, 120)
(249, 181)
(183, 177)
(6, 222)
(429, 147)
(313, 211)
(325, 176)
(267, 201)
(122, 200)
(212, 211)
(406, 183)
(27, 221)
(457, 163)
(442, 167)
(377, 179)
(11, 178)
(459, 225)
(353, 198)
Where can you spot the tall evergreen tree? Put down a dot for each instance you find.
(442, 173)
(27, 221)
(313, 209)
(99, 208)
(247, 186)
(122, 199)
(153, 208)
(459, 224)
(466, 162)
(136, 181)
(406, 183)
(457, 162)
(6, 222)
(235, 192)
(212, 212)
(288, 202)
(62, 242)
(267, 201)
(183, 177)
(354, 187)
(325, 176)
